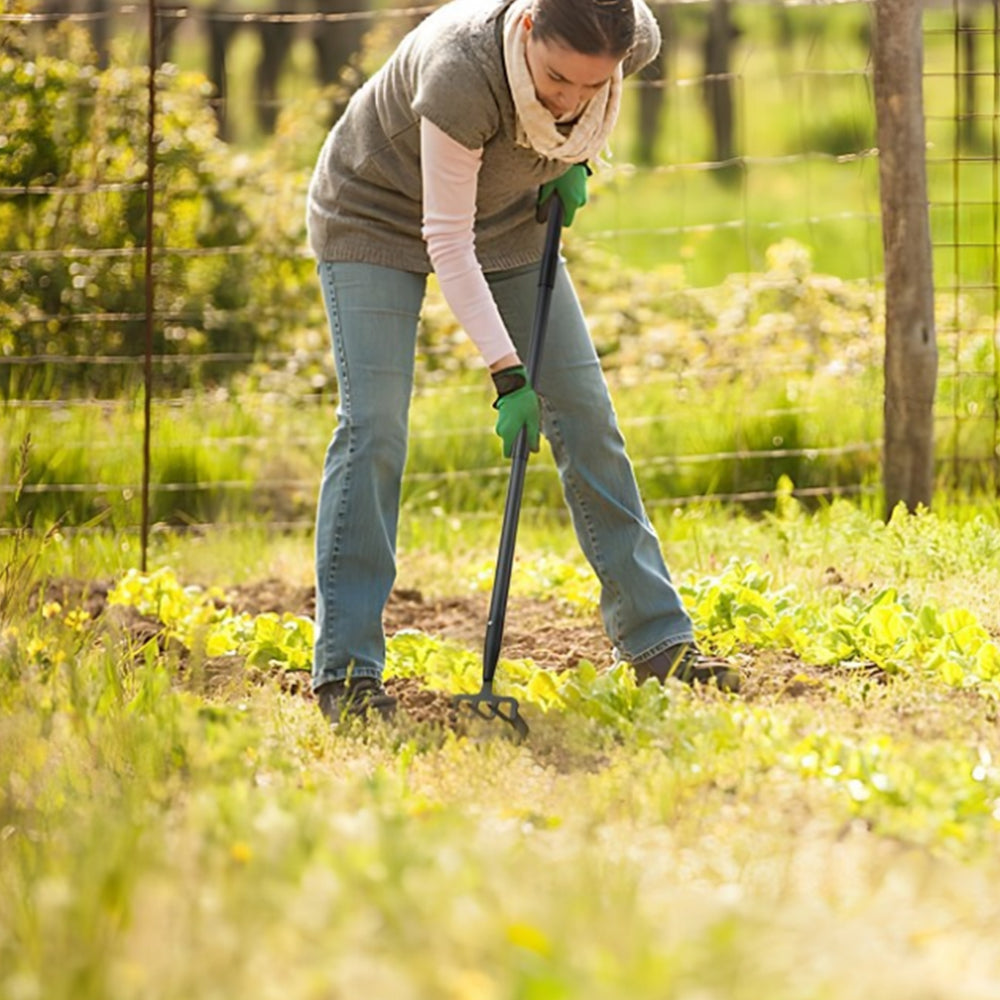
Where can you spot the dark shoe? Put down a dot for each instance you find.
(359, 698)
(687, 663)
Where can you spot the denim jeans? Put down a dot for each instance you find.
(373, 313)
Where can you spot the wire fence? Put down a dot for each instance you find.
(163, 345)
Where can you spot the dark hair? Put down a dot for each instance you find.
(593, 27)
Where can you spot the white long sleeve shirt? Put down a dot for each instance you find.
(450, 175)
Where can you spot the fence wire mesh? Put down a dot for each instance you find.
(162, 341)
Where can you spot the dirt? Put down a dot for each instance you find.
(538, 630)
(554, 636)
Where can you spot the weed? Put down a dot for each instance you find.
(24, 549)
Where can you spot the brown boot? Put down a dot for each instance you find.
(359, 697)
(687, 663)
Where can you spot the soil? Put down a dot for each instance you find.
(543, 631)
(552, 635)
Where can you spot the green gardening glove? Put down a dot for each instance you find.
(572, 190)
(517, 407)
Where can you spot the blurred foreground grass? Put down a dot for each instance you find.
(158, 842)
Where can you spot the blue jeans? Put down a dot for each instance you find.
(373, 313)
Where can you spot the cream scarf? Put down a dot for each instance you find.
(536, 128)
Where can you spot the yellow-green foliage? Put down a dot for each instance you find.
(647, 842)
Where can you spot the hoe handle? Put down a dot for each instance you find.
(519, 461)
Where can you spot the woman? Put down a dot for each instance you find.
(485, 110)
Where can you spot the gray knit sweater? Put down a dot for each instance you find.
(365, 195)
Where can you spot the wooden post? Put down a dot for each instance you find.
(910, 341)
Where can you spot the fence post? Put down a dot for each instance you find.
(150, 299)
(910, 341)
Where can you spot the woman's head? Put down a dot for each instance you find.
(591, 27)
(573, 48)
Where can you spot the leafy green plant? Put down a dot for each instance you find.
(739, 607)
(200, 620)
(76, 129)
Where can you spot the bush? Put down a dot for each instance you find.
(73, 281)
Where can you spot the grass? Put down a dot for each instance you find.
(156, 841)
(252, 454)
(719, 391)
(834, 838)
(711, 230)
(694, 429)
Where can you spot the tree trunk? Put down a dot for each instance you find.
(718, 83)
(910, 344)
(652, 92)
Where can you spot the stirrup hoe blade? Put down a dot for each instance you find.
(489, 706)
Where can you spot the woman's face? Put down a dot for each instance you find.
(565, 79)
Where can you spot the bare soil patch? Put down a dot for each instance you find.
(549, 633)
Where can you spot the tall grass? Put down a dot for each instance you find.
(258, 458)
(218, 460)
(24, 547)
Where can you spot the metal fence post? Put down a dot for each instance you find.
(150, 300)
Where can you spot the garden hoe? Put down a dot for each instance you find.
(486, 704)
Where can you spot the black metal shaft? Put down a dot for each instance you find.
(519, 459)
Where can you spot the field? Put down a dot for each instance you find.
(177, 821)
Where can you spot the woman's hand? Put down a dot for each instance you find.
(571, 188)
(517, 408)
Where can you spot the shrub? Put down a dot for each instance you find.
(72, 280)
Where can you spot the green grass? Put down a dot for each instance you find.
(692, 432)
(258, 458)
(159, 842)
(219, 461)
(710, 229)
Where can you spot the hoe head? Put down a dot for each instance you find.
(489, 706)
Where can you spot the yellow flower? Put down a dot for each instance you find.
(35, 647)
(241, 852)
(77, 620)
(529, 937)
